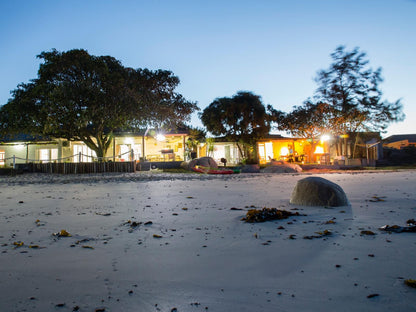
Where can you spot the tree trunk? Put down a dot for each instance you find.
(311, 153)
(240, 150)
(345, 147)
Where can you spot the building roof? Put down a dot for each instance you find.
(21, 137)
(149, 132)
(411, 138)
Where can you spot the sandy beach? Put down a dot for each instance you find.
(176, 242)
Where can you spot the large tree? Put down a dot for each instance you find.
(242, 119)
(351, 87)
(311, 121)
(83, 97)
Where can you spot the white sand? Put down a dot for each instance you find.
(207, 258)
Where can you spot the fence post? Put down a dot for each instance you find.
(79, 157)
(14, 161)
(132, 155)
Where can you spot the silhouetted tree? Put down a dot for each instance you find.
(82, 97)
(351, 87)
(242, 119)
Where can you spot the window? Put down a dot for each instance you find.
(47, 155)
(2, 157)
(87, 154)
(44, 155)
(125, 151)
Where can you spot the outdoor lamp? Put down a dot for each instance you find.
(160, 137)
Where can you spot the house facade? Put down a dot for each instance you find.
(219, 149)
(25, 148)
(300, 150)
(400, 141)
(273, 147)
(125, 146)
(151, 146)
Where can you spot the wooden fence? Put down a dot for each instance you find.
(74, 168)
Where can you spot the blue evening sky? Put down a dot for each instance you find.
(270, 47)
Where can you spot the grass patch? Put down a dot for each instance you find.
(177, 170)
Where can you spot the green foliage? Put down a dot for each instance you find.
(79, 96)
(351, 88)
(210, 146)
(242, 119)
(308, 121)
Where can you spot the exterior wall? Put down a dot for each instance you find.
(123, 147)
(226, 150)
(292, 150)
(61, 150)
(154, 148)
(399, 144)
(29, 152)
(18, 150)
(148, 148)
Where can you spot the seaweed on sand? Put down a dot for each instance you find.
(267, 214)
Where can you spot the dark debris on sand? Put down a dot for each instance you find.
(268, 214)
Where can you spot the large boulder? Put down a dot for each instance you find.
(202, 161)
(316, 191)
(281, 167)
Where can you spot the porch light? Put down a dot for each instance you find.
(160, 137)
(325, 137)
(284, 151)
(319, 150)
(19, 147)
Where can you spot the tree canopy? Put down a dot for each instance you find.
(351, 88)
(307, 121)
(83, 97)
(242, 119)
(348, 99)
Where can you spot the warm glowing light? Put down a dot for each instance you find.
(129, 141)
(284, 151)
(344, 136)
(325, 137)
(319, 150)
(160, 137)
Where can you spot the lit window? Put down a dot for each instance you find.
(284, 151)
(125, 152)
(47, 155)
(44, 155)
(2, 157)
(87, 154)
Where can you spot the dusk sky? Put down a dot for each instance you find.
(216, 48)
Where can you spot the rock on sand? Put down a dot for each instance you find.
(281, 167)
(316, 191)
(202, 161)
